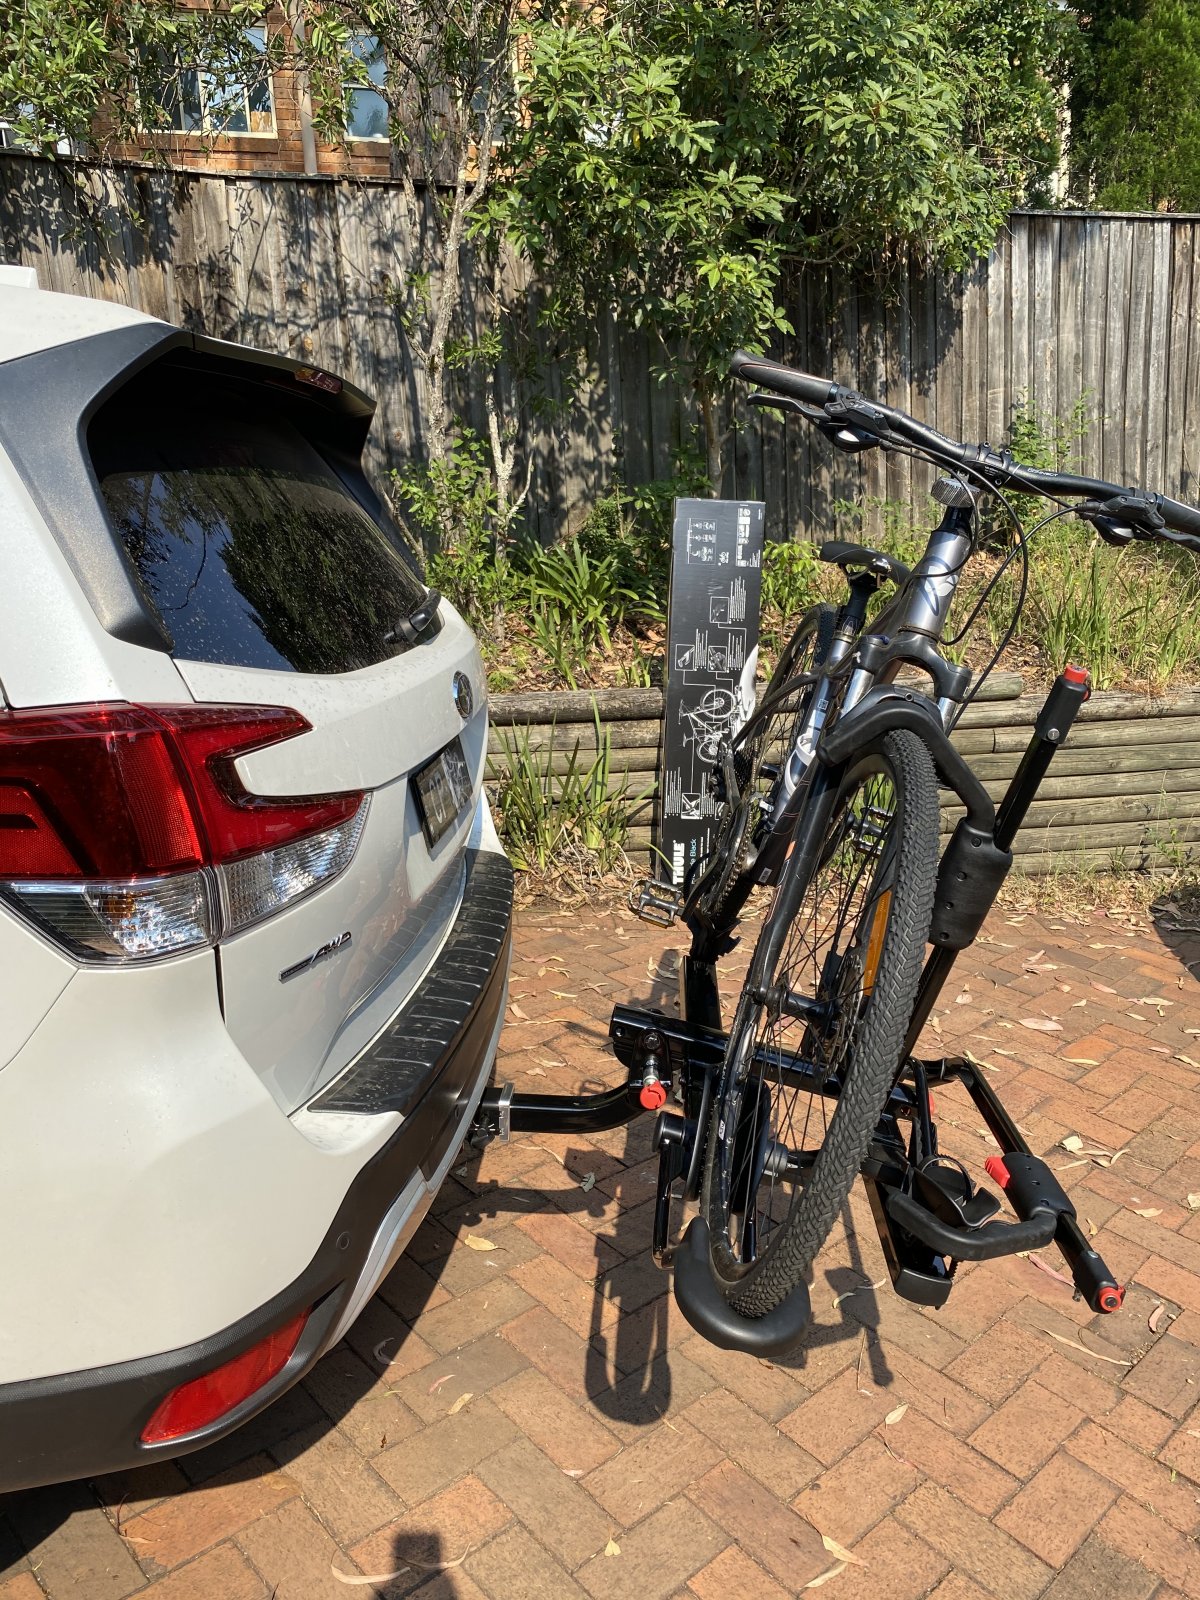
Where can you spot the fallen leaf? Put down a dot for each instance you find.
(563, 994)
(894, 1416)
(1103, 988)
(1072, 1142)
(1051, 1272)
(612, 1548)
(463, 1399)
(824, 1577)
(573, 1472)
(1193, 1202)
(384, 1361)
(862, 1289)
(1081, 1061)
(475, 1241)
(1092, 1230)
(517, 1012)
(375, 1579)
(1042, 1024)
(438, 1382)
(587, 1182)
(1075, 1345)
(378, 1578)
(1155, 1320)
(535, 1072)
(1146, 1211)
(840, 1553)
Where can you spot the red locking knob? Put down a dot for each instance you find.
(653, 1094)
(996, 1169)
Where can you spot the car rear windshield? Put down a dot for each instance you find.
(248, 544)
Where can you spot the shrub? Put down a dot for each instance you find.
(571, 823)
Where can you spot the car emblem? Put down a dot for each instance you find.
(464, 700)
(323, 954)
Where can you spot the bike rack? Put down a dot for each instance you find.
(928, 1214)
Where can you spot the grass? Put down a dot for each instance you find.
(566, 831)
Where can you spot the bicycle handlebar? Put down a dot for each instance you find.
(1150, 516)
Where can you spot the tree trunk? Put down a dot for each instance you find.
(714, 438)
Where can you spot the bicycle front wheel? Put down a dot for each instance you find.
(817, 1035)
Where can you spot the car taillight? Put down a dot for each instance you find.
(126, 834)
(204, 1400)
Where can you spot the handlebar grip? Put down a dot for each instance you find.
(979, 1244)
(783, 380)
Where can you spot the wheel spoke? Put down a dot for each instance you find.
(805, 1025)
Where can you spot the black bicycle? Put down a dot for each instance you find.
(829, 798)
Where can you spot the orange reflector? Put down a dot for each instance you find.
(879, 922)
(195, 1404)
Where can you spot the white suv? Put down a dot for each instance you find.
(254, 918)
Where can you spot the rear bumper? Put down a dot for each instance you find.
(431, 1064)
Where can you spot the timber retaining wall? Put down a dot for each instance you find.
(1124, 792)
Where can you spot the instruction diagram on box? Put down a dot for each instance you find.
(712, 654)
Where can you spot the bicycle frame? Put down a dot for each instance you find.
(906, 632)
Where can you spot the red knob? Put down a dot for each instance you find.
(653, 1094)
(1110, 1299)
(997, 1170)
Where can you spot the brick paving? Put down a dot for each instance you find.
(522, 1413)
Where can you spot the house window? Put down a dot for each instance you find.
(367, 111)
(196, 101)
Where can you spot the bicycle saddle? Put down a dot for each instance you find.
(858, 555)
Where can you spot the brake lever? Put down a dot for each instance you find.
(1122, 518)
(783, 402)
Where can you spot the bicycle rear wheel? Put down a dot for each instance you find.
(815, 1043)
(759, 759)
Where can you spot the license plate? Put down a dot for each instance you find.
(443, 790)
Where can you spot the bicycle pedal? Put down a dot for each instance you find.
(657, 902)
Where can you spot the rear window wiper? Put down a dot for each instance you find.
(422, 622)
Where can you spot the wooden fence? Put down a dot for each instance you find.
(1123, 792)
(1068, 308)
